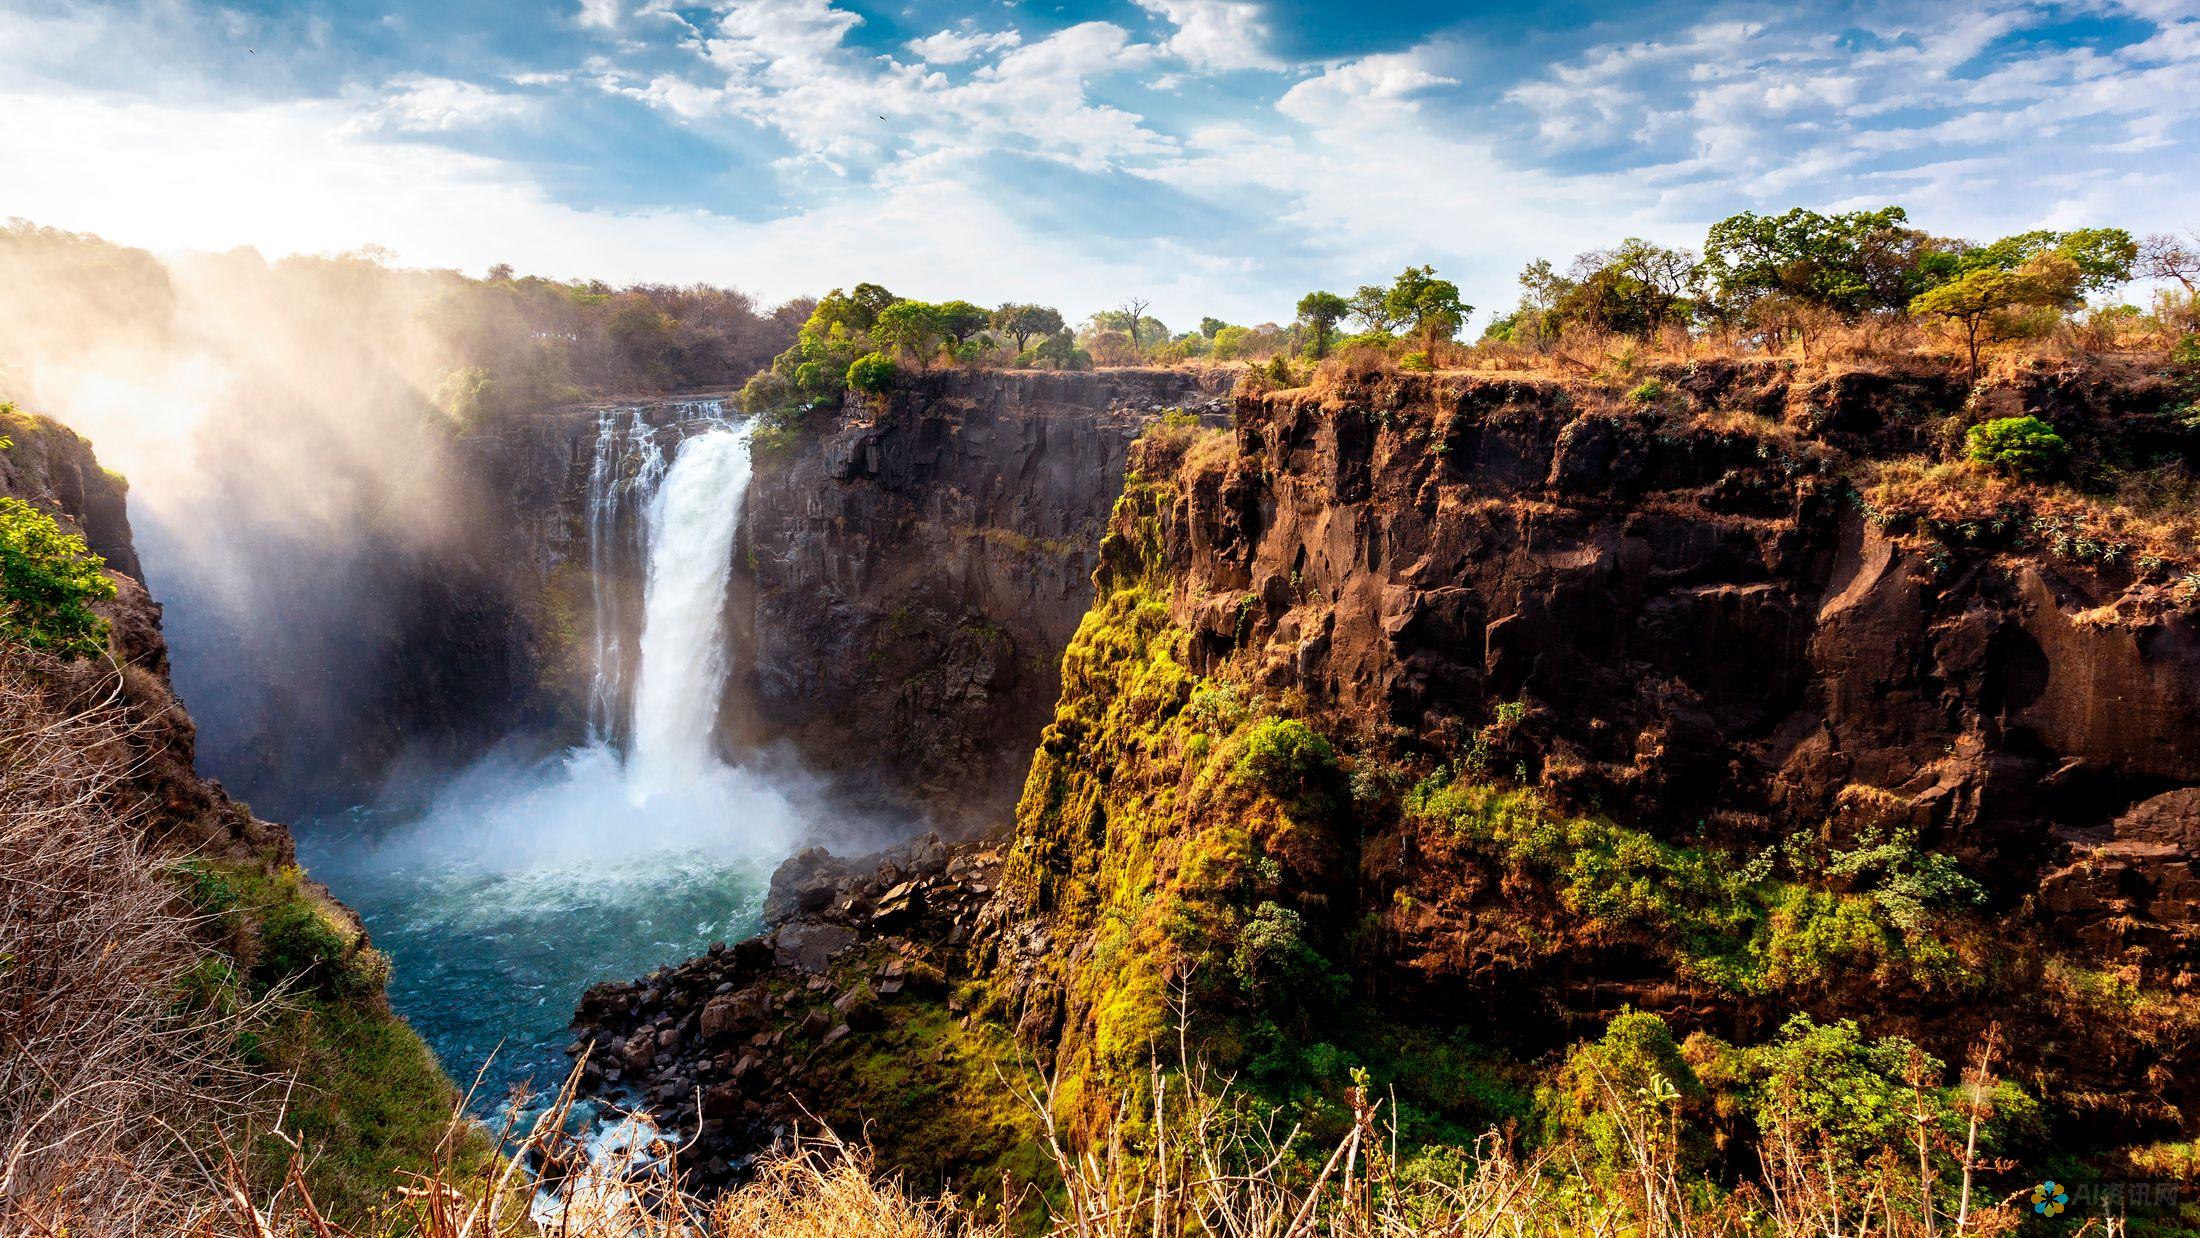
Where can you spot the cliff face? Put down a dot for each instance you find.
(277, 972)
(918, 572)
(1482, 695)
(54, 469)
(1417, 708)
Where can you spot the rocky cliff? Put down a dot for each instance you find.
(918, 569)
(281, 975)
(1426, 721)
(54, 469)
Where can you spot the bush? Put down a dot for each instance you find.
(871, 373)
(1648, 391)
(1284, 758)
(48, 582)
(2186, 352)
(2022, 446)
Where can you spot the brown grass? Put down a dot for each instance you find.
(115, 1083)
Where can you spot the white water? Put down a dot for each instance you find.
(692, 522)
(668, 799)
(526, 879)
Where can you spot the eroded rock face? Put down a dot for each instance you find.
(54, 469)
(918, 572)
(1702, 625)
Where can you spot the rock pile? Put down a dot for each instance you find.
(719, 1046)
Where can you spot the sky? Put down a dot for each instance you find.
(1214, 157)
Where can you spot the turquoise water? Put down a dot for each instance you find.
(512, 894)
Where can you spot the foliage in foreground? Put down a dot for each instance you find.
(1846, 1152)
(49, 582)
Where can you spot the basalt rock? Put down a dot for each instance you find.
(751, 1033)
(54, 469)
(919, 569)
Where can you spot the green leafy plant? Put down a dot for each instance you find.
(871, 373)
(1648, 391)
(2022, 446)
(48, 583)
(1285, 758)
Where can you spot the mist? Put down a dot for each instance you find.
(292, 434)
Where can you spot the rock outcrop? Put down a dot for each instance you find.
(919, 570)
(1670, 657)
(748, 1040)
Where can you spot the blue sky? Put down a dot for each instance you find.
(1215, 156)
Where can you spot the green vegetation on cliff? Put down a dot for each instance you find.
(369, 1101)
(48, 585)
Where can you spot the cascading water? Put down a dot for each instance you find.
(525, 880)
(692, 521)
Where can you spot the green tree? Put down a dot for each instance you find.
(48, 583)
(912, 326)
(1430, 306)
(959, 320)
(1209, 326)
(1850, 262)
(1319, 313)
(852, 312)
(1371, 306)
(1978, 300)
(2102, 258)
(1021, 322)
(872, 373)
(2024, 446)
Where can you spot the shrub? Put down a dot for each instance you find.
(2023, 446)
(1648, 391)
(2186, 351)
(871, 373)
(48, 582)
(1283, 757)
(1272, 958)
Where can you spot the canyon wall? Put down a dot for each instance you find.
(1415, 711)
(54, 470)
(919, 569)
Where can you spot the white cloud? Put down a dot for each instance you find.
(417, 103)
(603, 14)
(1360, 89)
(958, 46)
(1217, 34)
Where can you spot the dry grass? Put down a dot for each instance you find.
(1962, 502)
(115, 1081)
(1194, 1157)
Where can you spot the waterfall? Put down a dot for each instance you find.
(692, 521)
(646, 785)
(622, 435)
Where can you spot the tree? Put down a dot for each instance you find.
(2103, 257)
(1431, 306)
(853, 312)
(1208, 327)
(1134, 312)
(912, 325)
(2025, 446)
(959, 320)
(872, 373)
(1021, 322)
(2164, 257)
(1320, 312)
(1371, 305)
(48, 583)
(501, 273)
(1976, 299)
(1657, 280)
(1849, 263)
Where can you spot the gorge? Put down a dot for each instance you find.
(1428, 725)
